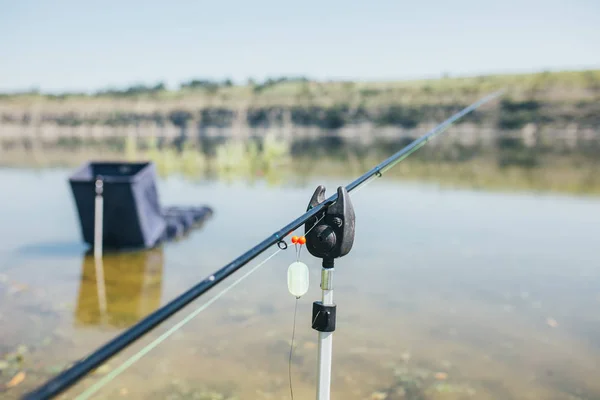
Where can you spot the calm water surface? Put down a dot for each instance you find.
(447, 294)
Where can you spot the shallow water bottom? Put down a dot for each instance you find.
(447, 294)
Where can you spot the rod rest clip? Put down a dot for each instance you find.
(330, 233)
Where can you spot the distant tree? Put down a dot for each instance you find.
(132, 90)
(272, 82)
(180, 117)
(334, 117)
(395, 115)
(159, 87)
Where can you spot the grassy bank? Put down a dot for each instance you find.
(546, 98)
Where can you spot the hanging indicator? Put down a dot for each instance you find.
(298, 278)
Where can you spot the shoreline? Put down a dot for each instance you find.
(559, 176)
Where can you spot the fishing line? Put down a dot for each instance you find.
(146, 349)
(297, 285)
(292, 349)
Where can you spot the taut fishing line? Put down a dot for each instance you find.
(298, 286)
(292, 349)
(146, 349)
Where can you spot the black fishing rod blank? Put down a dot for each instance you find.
(77, 371)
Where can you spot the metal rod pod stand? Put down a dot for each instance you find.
(328, 237)
(323, 320)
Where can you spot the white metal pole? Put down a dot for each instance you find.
(98, 232)
(98, 219)
(325, 340)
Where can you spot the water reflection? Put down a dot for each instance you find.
(132, 288)
(461, 284)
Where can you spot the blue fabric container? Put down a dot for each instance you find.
(132, 214)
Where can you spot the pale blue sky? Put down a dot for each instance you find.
(79, 45)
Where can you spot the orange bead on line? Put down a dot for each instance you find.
(295, 239)
(302, 240)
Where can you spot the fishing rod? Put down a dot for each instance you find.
(81, 368)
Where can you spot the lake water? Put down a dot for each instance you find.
(447, 294)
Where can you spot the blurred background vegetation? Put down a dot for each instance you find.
(543, 134)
